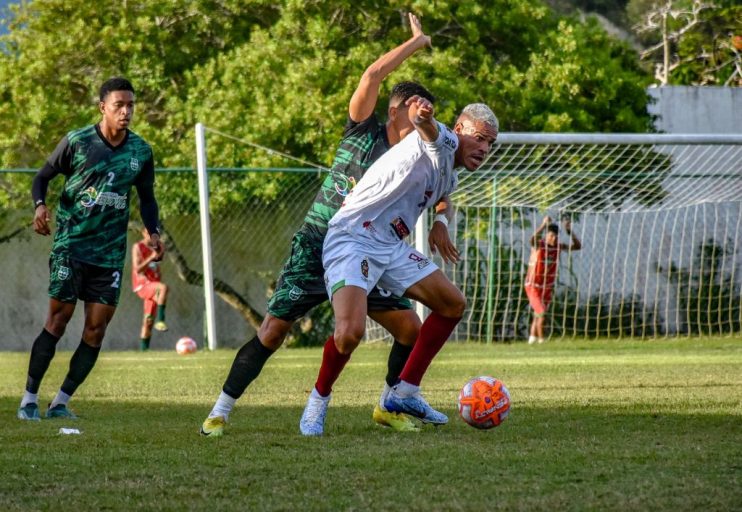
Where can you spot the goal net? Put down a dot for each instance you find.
(659, 218)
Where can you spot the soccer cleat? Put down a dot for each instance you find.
(213, 426)
(29, 412)
(415, 405)
(312, 421)
(160, 326)
(60, 411)
(397, 421)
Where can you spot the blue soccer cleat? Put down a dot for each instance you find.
(60, 411)
(29, 412)
(414, 405)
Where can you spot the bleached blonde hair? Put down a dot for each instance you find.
(481, 112)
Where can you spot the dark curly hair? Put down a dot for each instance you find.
(405, 90)
(115, 84)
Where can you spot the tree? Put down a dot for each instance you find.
(690, 42)
(280, 74)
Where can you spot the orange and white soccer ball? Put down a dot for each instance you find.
(484, 402)
(185, 345)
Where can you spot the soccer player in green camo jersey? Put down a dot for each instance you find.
(100, 163)
(301, 286)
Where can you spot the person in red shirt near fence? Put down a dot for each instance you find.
(147, 284)
(542, 270)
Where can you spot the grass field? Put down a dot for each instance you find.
(595, 425)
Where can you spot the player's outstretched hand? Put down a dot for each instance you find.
(440, 242)
(417, 30)
(420, 107)
(567, 225)
(41, 220)
(547, 221)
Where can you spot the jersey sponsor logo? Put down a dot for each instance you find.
(63, 272)
(399, 227)
(345, 186)
(364, 268)
(91, 197)
(449, 142)
(421, 262)
(295, 293)
(134, 164)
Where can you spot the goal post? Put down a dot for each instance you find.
(203, 202)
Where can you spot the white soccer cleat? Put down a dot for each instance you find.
(312, 421)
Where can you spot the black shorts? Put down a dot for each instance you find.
(301, 285)
(71, 280)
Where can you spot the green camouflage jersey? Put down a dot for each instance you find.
(301, 284)
(93, 211)
(362, 144)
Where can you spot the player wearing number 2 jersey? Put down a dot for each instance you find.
(101, 164)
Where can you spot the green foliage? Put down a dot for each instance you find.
(281, 74)
(701, 54)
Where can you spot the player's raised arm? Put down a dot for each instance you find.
(421, 113)
(363, 101)
(576, 244)
(537, 234)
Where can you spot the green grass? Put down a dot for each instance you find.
(595, 425)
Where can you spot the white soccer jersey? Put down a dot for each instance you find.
(410, 177)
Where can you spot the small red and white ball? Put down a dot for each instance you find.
(484, 402)
(185, 345)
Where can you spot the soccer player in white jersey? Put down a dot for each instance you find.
(365, 246)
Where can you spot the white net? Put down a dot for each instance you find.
(659, 218)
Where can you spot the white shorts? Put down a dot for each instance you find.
(350, 261)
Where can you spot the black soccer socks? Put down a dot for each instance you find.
(42, 353)
(81, 363)
(397, 358)
(247, 365)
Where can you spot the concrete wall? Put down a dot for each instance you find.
(681, 109)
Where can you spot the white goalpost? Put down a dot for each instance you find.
(659, 216)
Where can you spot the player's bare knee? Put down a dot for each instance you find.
(93, 333)
(454, 306)
(273, 331)
(348, 337)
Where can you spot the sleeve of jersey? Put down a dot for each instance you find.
(444, 146)
(354, 128)
(145, 184)
(59, 162)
